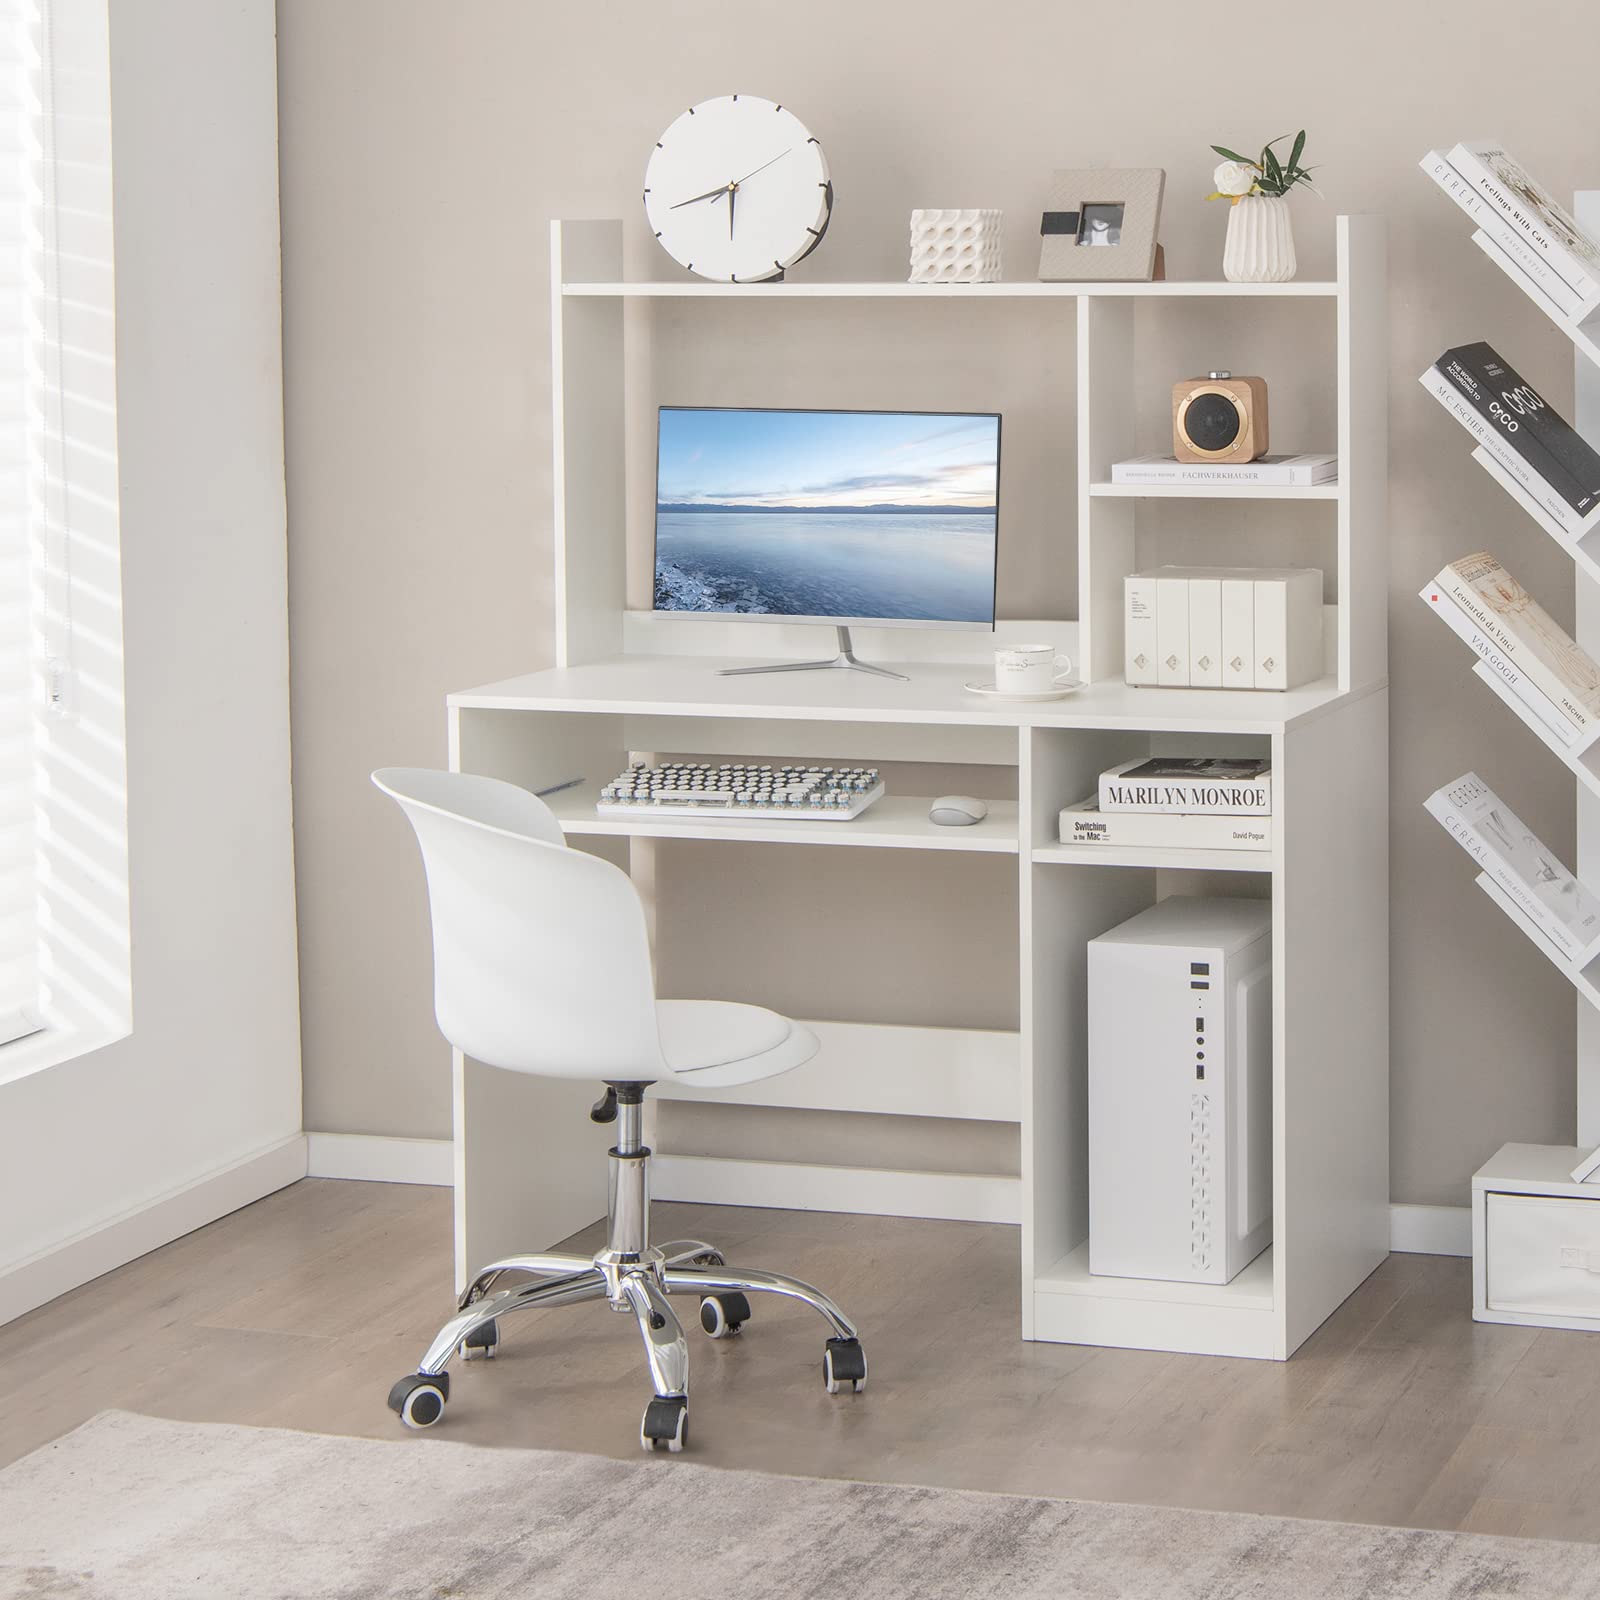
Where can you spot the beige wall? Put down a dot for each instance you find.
(426, 147)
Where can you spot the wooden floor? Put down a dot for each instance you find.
(300, 1310)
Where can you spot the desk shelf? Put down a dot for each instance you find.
(1105, 855)
(1103, 490)
(895, 822)
(1020, 289)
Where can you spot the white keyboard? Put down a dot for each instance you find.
(692, 789)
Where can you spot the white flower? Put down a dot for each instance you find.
(1234, 178)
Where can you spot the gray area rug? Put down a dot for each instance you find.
(131, 1508)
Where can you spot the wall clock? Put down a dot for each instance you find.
(737, 189)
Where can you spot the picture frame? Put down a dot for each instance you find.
(1099, 225)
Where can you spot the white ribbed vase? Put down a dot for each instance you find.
(955, 246)
(1260, 245)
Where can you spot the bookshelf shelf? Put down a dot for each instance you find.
(1582, 978)
(1582, 334)
(1211, 491)
(1584, 550)
(1577, 758)
(1105, 855)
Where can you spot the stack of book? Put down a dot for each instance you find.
(1521, 433)
(1521, 644)
(1533, 236)
(1177, 803)
(1518, 862)
(1265, 472)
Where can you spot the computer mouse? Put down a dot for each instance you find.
(957, 811)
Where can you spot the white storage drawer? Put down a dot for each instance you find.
(1542, 1255)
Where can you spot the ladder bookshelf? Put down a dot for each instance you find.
(1531, 1224)
(628, 681)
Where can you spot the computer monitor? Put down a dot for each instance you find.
(887, 518)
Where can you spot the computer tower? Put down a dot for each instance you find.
(1180, 1091)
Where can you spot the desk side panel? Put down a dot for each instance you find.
(1331, 1012)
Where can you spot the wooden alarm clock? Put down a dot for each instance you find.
(1219, 418)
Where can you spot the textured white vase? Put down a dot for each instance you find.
(955, 247)
(1260, 245)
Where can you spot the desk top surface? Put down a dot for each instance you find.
(663, 685)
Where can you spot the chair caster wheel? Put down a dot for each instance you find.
(723, 1315)
(484, 1342)
(420, 1399)
(666, 1422)
(844, 1362)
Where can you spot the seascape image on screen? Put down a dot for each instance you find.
(828, 515)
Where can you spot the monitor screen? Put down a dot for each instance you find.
(828, 516)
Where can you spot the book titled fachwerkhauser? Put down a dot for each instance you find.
(1519, 862)
(1537, 645)
(1218, 786)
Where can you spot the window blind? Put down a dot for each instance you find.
(64, 962)
(20, 662)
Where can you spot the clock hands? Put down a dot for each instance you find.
(762, 168)
(731, 189)
(710, 194)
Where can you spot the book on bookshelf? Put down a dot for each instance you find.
(1497, 662)
(1535, 643)
(1531, 875)
(1304, 471)
(1530, 424)
(1201, 785)
(1522, 202)
(1513, 244)
(1497, 445)
(1086, 824)
(1576, 545)
(1556, 302)
(1585, 1170)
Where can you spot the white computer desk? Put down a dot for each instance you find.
(528, 1169)
(527, 1165)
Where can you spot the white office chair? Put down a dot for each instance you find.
(542, 964)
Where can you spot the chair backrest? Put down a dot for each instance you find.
(541, 958)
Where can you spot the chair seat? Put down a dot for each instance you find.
(716, 1043)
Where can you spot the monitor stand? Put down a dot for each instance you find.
(846, 660)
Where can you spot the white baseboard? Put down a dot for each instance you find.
(1431, 1230)
(1413, 1230)
(118, 1240)
(375, 1158)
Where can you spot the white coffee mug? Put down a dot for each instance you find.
(1030, 669)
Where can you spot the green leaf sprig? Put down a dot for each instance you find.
(1273, 177)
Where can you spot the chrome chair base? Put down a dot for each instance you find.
(630, 1274)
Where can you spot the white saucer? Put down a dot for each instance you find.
(1060, 691)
